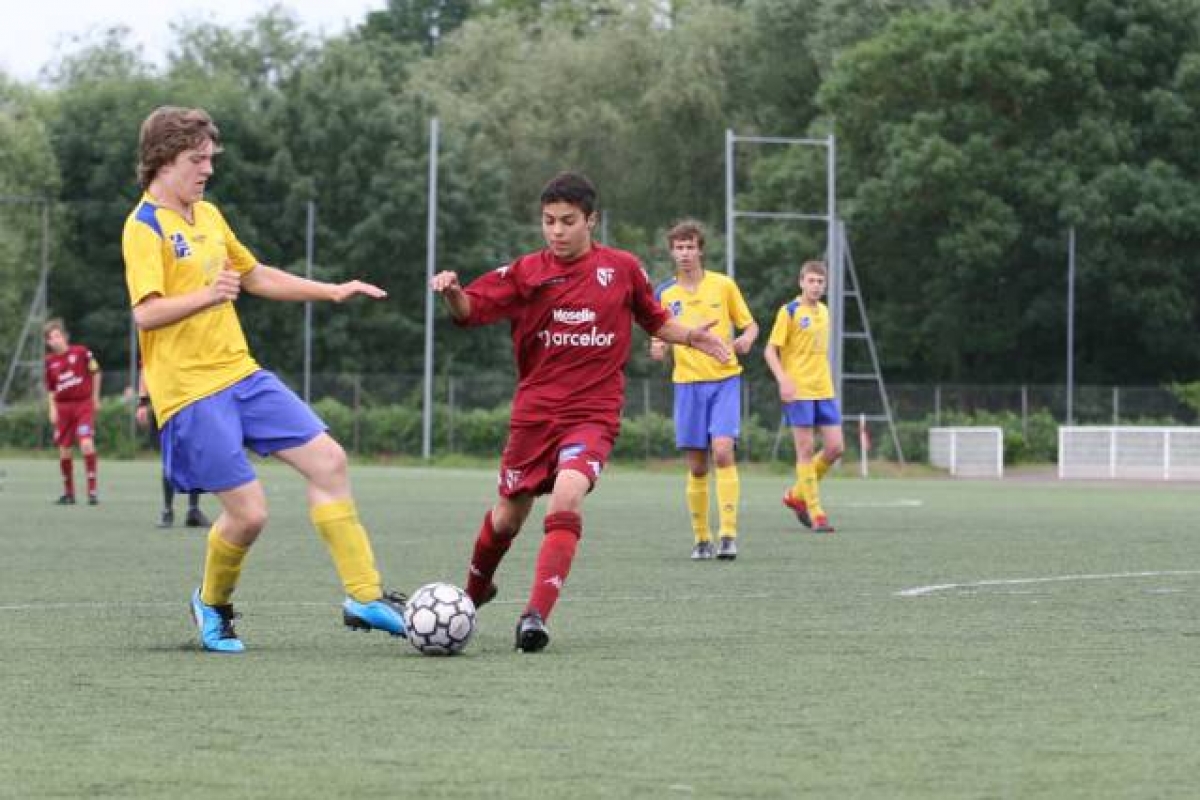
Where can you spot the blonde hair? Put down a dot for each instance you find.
(55, 324)
(814, 268)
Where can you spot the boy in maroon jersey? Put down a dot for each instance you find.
(73, 384)
(570, 307)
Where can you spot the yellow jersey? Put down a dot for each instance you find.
(166, 255)
(717, 298)
(801, 333)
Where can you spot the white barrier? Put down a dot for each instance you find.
(968, 452)
(1133, 452)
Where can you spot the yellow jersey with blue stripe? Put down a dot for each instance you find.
(717, 298)
(801, 333)
(169, 256)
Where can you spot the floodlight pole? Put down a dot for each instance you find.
(430, 264)
(309, 248)
(1071, 325)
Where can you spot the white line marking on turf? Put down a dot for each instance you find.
(900, 503)
(921, 591)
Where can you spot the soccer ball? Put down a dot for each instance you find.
(440, 619)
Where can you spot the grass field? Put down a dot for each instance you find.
(1046, 647)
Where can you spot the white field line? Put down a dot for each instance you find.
(899, 503)
(922, 591)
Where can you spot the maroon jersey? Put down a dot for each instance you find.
(571, 330)
(69, 374)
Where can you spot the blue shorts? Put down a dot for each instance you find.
(812, 413)
(203, 445)
(706, 410)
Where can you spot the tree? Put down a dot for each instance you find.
(972, 138)
(28, 179)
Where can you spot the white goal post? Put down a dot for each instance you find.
(1128, 451)
(968, 452)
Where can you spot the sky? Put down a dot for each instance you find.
(40, 30)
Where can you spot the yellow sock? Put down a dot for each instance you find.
(222, 568)
(729, 491)
(820, 465)
(697, 503)
(807, 488)
(338, 524)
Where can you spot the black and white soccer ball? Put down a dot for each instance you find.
(440, 619)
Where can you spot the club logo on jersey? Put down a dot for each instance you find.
(181, 246)
(511, 478)
(805, 323)
(574, 316)
(676, 308)
(569, 452)
(605, 275)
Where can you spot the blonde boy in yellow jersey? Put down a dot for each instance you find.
(798, 355)
(708, 394)
(184, 268)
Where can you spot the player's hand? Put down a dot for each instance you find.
(226, 287)
(142, 416)
(53, 415)
(445, 281)
(787, 390)
(742, 344)
(658, 348)
(703, 339)
(344, 291)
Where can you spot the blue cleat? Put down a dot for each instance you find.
(384, 614)
(216, 626)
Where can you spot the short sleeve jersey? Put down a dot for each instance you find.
(69, 374)
(715, 299)
(801, 333)
(572, 329)
(169, 256)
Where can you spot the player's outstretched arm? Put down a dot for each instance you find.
(702, 338)
(457, 301)
(276, 284)
(156, 311)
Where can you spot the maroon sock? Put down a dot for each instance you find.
(490, 548)
(554, 560)
(68, 473)
(89, 463)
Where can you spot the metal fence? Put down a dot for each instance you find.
(365, 408)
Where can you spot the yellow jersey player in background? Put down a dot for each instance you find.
(185, 269)
(798, 355)
(708, 394)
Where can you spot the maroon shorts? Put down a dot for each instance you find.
(535, 454)
(75, 421)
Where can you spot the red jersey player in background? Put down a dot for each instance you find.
(570, 307)
(73, 383)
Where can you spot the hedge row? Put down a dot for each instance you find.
(395, 430)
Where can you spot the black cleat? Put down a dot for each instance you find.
(166, 519)
(196, 519)
(703, 551)
(93, 499)
(532, 635)
(65, 500)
